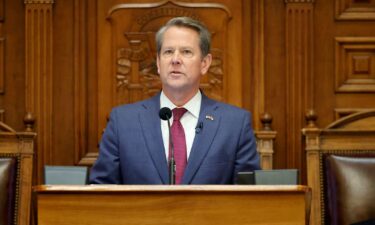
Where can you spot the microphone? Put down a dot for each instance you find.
(199, 127)
(165, 113)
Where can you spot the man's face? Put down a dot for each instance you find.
(180, 63)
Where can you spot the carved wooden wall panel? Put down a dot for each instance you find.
(129, 33)
(299, 75)
(355, 9)
(39, 75)
(344, 58)
(124, 46)
(355, 64)
(343, 53)
(84, 73)
(282, 57)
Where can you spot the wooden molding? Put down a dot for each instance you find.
(39, 78)
(355, 64)
(38, 1)
(299, 1)
(299, 77)
(162, 3)
(354, 10)
(81, 118)
(342, 112)
(258, 65)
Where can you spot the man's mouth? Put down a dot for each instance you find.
(175, 73)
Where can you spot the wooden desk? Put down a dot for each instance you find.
(164, 205)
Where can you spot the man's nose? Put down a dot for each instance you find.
(176, 58)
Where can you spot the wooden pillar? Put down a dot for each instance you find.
(258, 63)
(312, 142)
(299, 72)
(265, 140)
(38, 31)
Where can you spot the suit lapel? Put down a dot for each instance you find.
(150, 123)
(202, 141)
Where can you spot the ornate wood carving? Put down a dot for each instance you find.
(299, 76)
(167, 11)
(126, 52)
(355, 10)
(136, 75)
(355, 64)
(38, 25)
(265, 142)
(133, 75)
(29, 121)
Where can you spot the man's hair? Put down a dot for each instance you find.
(187, 22)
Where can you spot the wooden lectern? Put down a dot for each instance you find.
(172, 205)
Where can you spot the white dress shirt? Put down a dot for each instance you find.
(189, 120)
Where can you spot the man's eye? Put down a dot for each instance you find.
(168, 52)
(187, 53)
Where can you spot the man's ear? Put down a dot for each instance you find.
(158, 63)
(206, 63)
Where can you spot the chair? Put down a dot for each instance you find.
(16, 172)
(70, 175)
(340, 166)
(349, 188)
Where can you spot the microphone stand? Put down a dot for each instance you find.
(172, 162)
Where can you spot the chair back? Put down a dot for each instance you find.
(349, 188)
(339, 163)
(16, 172)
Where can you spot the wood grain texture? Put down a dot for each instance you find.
(299, 76)
(354, 10)
(39, 80)
(172, 204)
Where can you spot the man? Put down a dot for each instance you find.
(213, 144)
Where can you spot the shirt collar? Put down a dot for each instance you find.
(193, 105)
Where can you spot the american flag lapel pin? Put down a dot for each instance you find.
(209, 117)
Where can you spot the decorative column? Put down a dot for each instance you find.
(312, 142)
(299, 75)
(38, 31)
(265, 140)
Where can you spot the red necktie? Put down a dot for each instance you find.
(179, 143)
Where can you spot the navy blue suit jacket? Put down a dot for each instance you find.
(132, 150)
